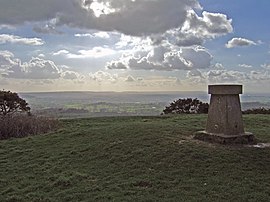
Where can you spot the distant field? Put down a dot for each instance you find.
(98, 104)
(134, 159)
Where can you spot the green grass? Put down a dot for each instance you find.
(134, 159)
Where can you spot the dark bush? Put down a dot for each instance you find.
(11, 103)
(261, 110)
(186, 106)
(23, 125)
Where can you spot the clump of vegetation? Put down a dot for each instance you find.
(186, 106)
(16, 119)
(24, 125)
(260, 110)
(11, 103)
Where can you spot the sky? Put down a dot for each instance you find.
(134, 45)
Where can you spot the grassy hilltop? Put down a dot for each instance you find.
(134, 159)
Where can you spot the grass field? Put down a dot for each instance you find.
(135, 159)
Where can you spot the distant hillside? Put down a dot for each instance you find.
(93, 104)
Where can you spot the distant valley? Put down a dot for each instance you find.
(95, 104)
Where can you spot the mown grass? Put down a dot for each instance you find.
(134, 159)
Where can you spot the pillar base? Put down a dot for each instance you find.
(246, 138)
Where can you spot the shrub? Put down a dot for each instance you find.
(186, 106)
(11, 103)
(23, 125)
(261, 110)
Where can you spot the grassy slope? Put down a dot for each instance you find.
(134, 159)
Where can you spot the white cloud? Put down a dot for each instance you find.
(245, 65)
(47, 29)
(70, 75)
(7, 27)
(36, 68)
(83, 35)
(196, 29)
(41, 55)
(130, 79)
(129, 41)
(194, 73)
(104, 35)
(116, 65)
(165, 57)
(239, 42)
(228, 76)
(95, 52)
(266, 66)
(61, 52)
(218, 66)
(224, 76)
(101, 76)
(209, 25)
(7, 59)
(7, 38)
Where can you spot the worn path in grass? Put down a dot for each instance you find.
(134, 159)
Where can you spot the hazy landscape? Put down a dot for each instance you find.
(106, 100)
(95, 104)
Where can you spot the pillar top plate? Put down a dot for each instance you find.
(228, 89)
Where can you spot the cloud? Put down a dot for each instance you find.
(245, 66)
(155, 34)
(266, 66)
(130, 17)
(103, 35)
(36, 68)
(217, 76)
(7, 38)
(210, 25)
(95, 52)
(7, 59)
(130, 79)
(70, 75)
(239, 42)
(41, 55)
(136, 18)
(32, 10)
(61, 52)
(165, 57)
(47, 29)
(7, 27)
(83, 35)
(223, 76)
(126, 41)
(101, 76)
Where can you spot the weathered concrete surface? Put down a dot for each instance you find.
(224, 115)
(225, 89)
(224, 122)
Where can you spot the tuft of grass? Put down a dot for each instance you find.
(23, 125)
(134, 159)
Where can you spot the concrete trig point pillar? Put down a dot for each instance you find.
(224, 122)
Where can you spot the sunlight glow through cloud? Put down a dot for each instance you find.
(186, 43)
(101, 8)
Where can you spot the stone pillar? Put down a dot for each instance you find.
(224, 122)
